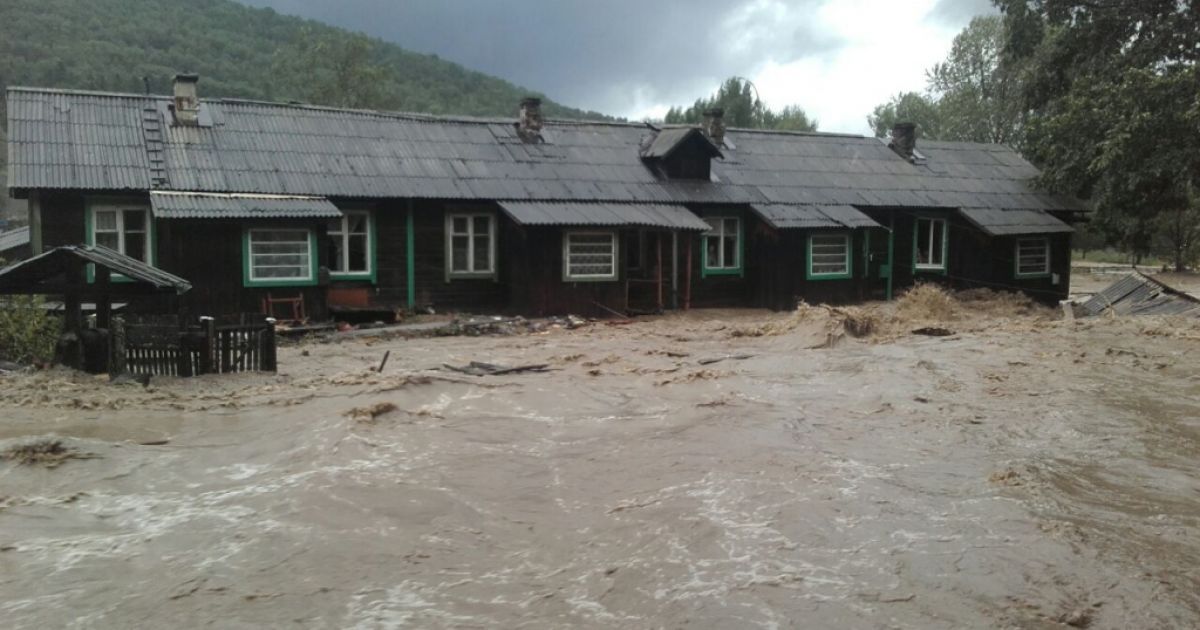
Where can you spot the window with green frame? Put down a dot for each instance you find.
(829, 256)
(722, 246)
(930, 242)
(279, 257)
(352, 246)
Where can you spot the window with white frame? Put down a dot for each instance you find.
(931, 244)
(1033, 256)
(350, 244)
(126, 230)
(470, 243)
(280, 255)
(721, 251)
(590, 255)
(829, 255)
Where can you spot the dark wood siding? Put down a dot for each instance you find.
(974, 258)
(63, 219)
(537, 255)
(209, 254)
(433, 288)
(732, 290)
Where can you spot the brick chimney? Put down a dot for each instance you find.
(529, 127)
(714, 125)
(904, 139)
(187, 101)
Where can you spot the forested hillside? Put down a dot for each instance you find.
(239, 52)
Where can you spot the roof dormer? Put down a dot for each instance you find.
(680, 153)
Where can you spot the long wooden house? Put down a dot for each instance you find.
(362, 210)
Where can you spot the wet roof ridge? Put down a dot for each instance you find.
(417, 116)
(793, 132)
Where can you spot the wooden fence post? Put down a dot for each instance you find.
(183, 358)
(267, 352)
(209, 326)
(116, 348)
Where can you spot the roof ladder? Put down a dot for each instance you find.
(152, 131)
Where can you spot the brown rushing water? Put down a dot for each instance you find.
(1019, 477)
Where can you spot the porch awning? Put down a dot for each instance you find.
(787, 216)
(193, 205)
(48, 273)
(1000, 222)
(603, 214)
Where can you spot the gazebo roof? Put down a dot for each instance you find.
(49, 273)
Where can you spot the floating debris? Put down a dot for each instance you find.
(50, 453)
(475, 368)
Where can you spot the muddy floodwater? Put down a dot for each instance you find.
(1032, 474)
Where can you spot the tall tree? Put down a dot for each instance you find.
(977, 94)
(1112, 88)
(744, 109)
(912, 107)
(971, 96)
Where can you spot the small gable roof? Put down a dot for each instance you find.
(783, 217)
(46, 273)
(169, 204)
(603, 214)
(666, 142)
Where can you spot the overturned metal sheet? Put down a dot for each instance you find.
(603, 214)
(1138, 294)
(192, 205)
(1011, 222)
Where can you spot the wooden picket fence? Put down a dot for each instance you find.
(165, 348)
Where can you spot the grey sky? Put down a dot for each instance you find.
(636, 57)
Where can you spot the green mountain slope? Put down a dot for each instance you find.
(238, 51)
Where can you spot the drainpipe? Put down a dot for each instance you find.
(410, 255)
(675, 269)
(891, 253)
(35, 222)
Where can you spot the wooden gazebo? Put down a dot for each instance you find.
(87, 272)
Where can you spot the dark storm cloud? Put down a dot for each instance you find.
(598, 55)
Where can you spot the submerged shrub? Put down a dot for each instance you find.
(28, 332)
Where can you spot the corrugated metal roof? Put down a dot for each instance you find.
(13, 239)
(788, 217)
(849, 216)
(603, 214)
(32, 272)
(1136, 294)
(1008, 222)
(193, 205)
(79, 140)
(784, 216)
